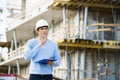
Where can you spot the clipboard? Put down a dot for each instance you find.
(45, 61)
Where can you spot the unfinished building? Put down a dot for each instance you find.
(87, 33)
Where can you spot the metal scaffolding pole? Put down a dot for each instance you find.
(85, 22)
(52, 26)
(64, 21)
(15, 42)
(18, 67)
(102, 28)
(83, 55)
(78, 73)
(83, 63)
(81, 23)
(12, 43)
(9, 69)
(68, 66)
(117, 65)
(78, 50)
(23, 6)
(66, 51)
(115, 21)
(78, 23)
(15, 38)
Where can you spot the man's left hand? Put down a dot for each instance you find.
(51, 63)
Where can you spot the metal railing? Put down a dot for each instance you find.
(18, 52)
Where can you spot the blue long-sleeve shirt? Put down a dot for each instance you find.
(35, 53)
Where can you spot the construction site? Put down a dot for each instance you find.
(87, 33)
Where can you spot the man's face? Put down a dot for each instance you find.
(43, 31)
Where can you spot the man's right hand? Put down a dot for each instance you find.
(43, 40)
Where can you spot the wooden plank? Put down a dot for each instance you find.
(97, 24)
(80, 45)
(89, 44)
(5, 44)
(97, 30)
(102, 24)
(111, 47)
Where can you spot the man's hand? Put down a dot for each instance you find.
(43, 40)
(51, 63)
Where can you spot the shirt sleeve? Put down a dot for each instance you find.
(29, 51)
(56, 56)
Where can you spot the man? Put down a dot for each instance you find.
(42, 52)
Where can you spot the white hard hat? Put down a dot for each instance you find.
(41, 23)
